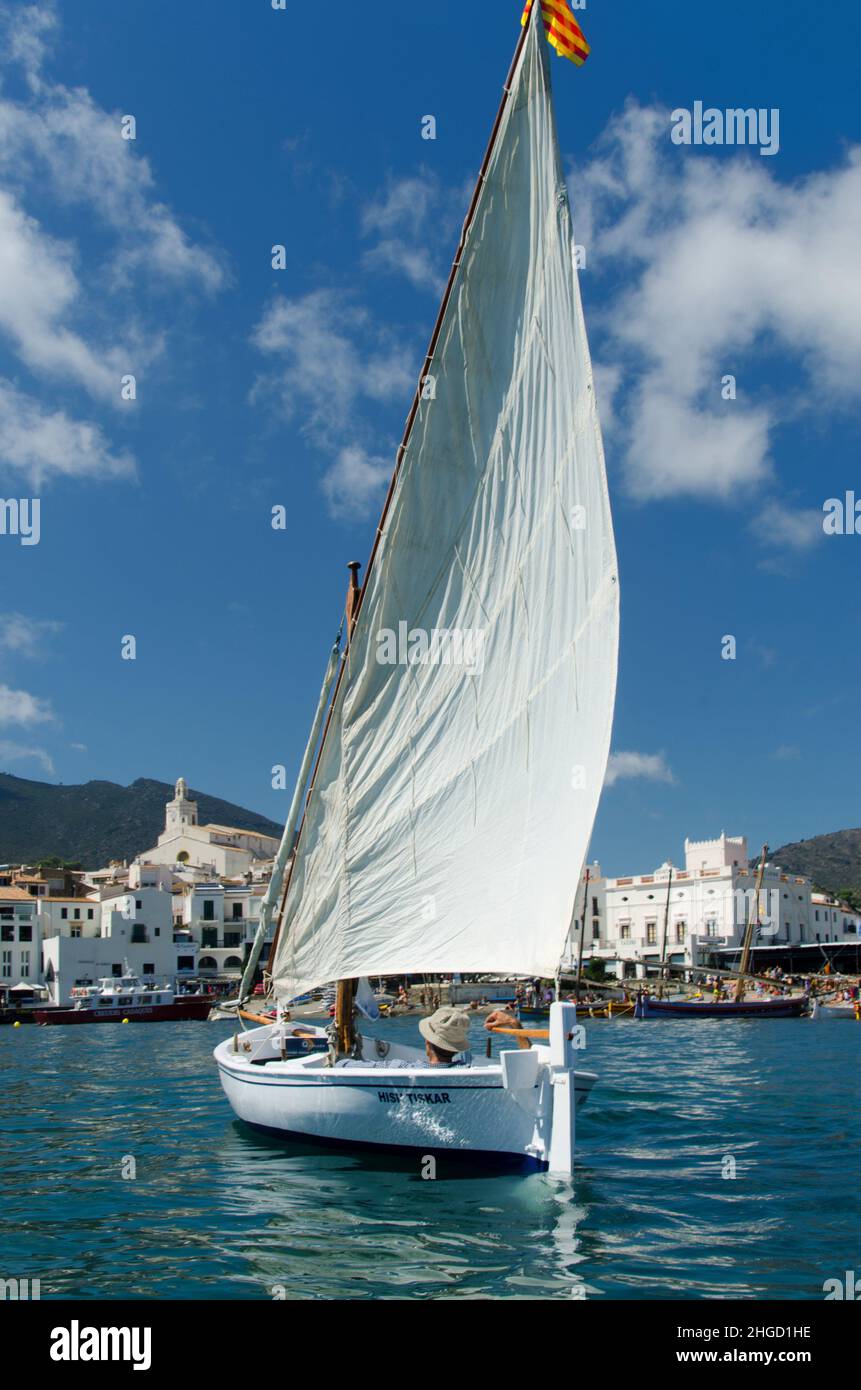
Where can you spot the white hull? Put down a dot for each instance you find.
(504, 1110)
(826, 1011)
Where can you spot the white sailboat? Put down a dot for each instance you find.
(449, 814)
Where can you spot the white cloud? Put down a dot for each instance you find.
(40, 443)
(25, 636)
(18, 752)
(38, 292)
(20, 707)
(781, 527)
(61, 135)
(787, 752)
(652, 767)
(724, 267)
(22, 31)
(356, 484)
(330, 356)
(414, 221)
(72, 311)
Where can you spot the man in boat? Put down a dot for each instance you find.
(446, 1033)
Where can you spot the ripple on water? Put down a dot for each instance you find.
(220, 1212)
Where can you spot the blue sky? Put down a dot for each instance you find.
(257, 387)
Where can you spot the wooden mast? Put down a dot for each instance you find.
(582, 934)
(358, 599)
(753, 919)
(346, 989)
(664, 938)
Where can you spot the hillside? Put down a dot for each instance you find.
(98, 821)
(832, 861)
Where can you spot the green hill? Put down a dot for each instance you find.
(832, 861)
(98, 821)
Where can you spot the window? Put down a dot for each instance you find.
(232, 938)
(89, 914)
(596, 928)
(595, 912)
(77, 913)
(7, 965)
(681, 928)
(117, 971)
(25, 963)
(651, 933)
(624, 931)
(185, 962)
(25, 932)
(149, 969)
(64, 913)
(209, 936)
(75, 930)
(158, 931)
(817, 914)
(208, 910)
(7, 931)
(138, 904)
(139, 934)
(711, 928)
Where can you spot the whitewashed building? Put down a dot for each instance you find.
(84, 940)
(20, 938)
(222, 851)
(221, 918)
(705, 906)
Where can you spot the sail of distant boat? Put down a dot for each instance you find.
(466, 747)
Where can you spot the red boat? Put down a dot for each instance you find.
(127, 1000)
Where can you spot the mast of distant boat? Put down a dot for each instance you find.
(582, 934)
(664, 938)
(753, 920)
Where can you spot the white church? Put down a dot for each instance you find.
(222, 850)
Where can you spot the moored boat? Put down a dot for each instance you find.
(128, 999)
(824, 1009)
(784, 1006)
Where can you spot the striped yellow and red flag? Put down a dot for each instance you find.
(563, 32)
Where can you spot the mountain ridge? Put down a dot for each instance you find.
(832, 861)
(93, 822)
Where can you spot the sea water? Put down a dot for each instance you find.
(715, 1159)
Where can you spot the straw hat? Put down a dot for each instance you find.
(447, 1029)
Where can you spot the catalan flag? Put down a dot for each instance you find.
(563, 32)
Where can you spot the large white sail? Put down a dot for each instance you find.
(455, 795)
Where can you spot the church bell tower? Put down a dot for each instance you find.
(181, 811)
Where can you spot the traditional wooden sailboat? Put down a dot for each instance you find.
(448, 816)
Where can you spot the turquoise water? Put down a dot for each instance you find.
(216, 1211)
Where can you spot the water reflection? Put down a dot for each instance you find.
(217, 1210)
